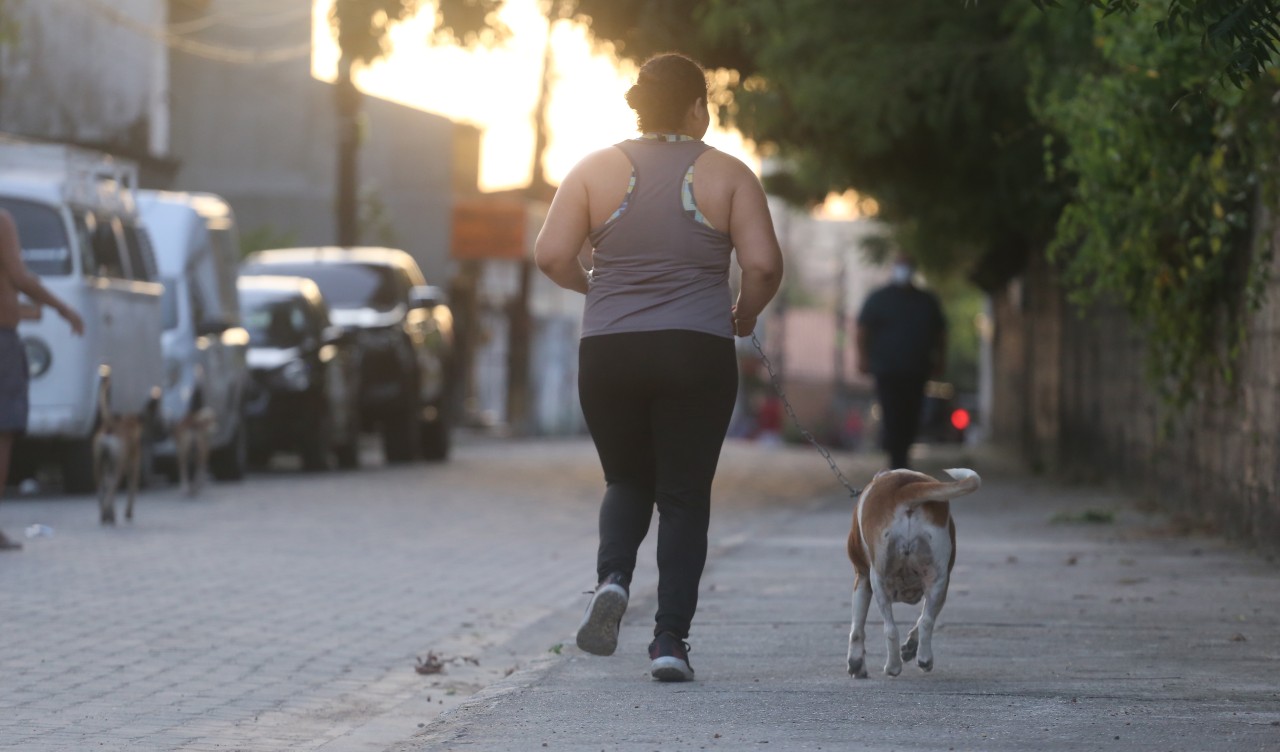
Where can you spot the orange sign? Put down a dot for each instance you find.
(490, 228)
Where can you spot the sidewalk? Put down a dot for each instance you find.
(1059, 634)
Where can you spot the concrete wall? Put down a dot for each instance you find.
(263, 135)
(85, 72)
(1072, 391)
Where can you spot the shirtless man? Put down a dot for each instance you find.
(14, 279)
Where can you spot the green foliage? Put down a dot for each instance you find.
(962, 305)
(361, 26)
(1167, 168)
(376, 223)
(266, 237)
(1244, 33)
(8, 27)
(1135, 140)
(919, 104)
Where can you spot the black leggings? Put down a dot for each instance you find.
(658, 406)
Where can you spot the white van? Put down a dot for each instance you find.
(79, 232)
(204, 345)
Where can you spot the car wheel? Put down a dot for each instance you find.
(400, 433)
(436, 434)
(231, 461)
(317, 441)
(348, 452)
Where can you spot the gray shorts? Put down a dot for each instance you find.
(13, 383)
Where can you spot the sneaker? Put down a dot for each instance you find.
(669, 658)
(598, 632)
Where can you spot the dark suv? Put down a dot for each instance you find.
(404, 335)
(304, 391)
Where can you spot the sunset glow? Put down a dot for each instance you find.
(497, 89)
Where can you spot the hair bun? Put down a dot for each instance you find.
(641, 95)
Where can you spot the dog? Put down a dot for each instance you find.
(117, 452)
(191, 436)
(903, 546)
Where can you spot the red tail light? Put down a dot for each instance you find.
(960, 418)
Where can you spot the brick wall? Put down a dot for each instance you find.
(1071, 391)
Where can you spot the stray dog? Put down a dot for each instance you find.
(117, 450)
(191, 442)
(903, 546)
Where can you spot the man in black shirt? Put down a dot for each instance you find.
(902, 342)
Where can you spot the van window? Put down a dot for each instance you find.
(85, 224)
(226, 254)
(106, 249)
(42, 236)
(142, 262)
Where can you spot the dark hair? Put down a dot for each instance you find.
(667, 85)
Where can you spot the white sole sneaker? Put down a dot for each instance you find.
(670, 669)
(598, 632)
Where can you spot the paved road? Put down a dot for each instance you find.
(288, 612)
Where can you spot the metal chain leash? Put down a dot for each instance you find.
(777, 387)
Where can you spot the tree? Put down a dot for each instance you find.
(917, 103)
(1134, 143)
(360, 28)
(1243, 33)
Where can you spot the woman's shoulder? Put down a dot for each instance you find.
(604, 161)
(725, 165)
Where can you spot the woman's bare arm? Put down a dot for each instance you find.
(564, 233)
(760, 258)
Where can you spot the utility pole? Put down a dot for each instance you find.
(520, 320)
(346, 207)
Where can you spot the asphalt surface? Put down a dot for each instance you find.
(1074, 622)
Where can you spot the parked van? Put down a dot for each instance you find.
(79, 231)
(204, 344)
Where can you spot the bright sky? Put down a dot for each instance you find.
(497, 90)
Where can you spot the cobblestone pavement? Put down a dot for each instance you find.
(288, 612)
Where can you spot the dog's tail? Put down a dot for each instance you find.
(104, 395)
(966, 482)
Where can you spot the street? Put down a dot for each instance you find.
(289, 612)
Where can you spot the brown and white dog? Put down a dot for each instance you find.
(117, 451)
(191, 437)
(903, 545)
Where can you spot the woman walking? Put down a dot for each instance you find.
(663, 214)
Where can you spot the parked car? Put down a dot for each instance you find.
(404, 335)
(79, 231)
(204, 345)
(305, 395)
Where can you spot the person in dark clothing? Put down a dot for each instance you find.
(902, 343)
(14, 404)
(657, 372)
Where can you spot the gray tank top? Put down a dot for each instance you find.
(654, 266)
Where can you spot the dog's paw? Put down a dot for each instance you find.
(858, 669)
(892, 669)
(925, 665)
(909, 650)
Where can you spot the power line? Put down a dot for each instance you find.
(205, 50)
(267, 20)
